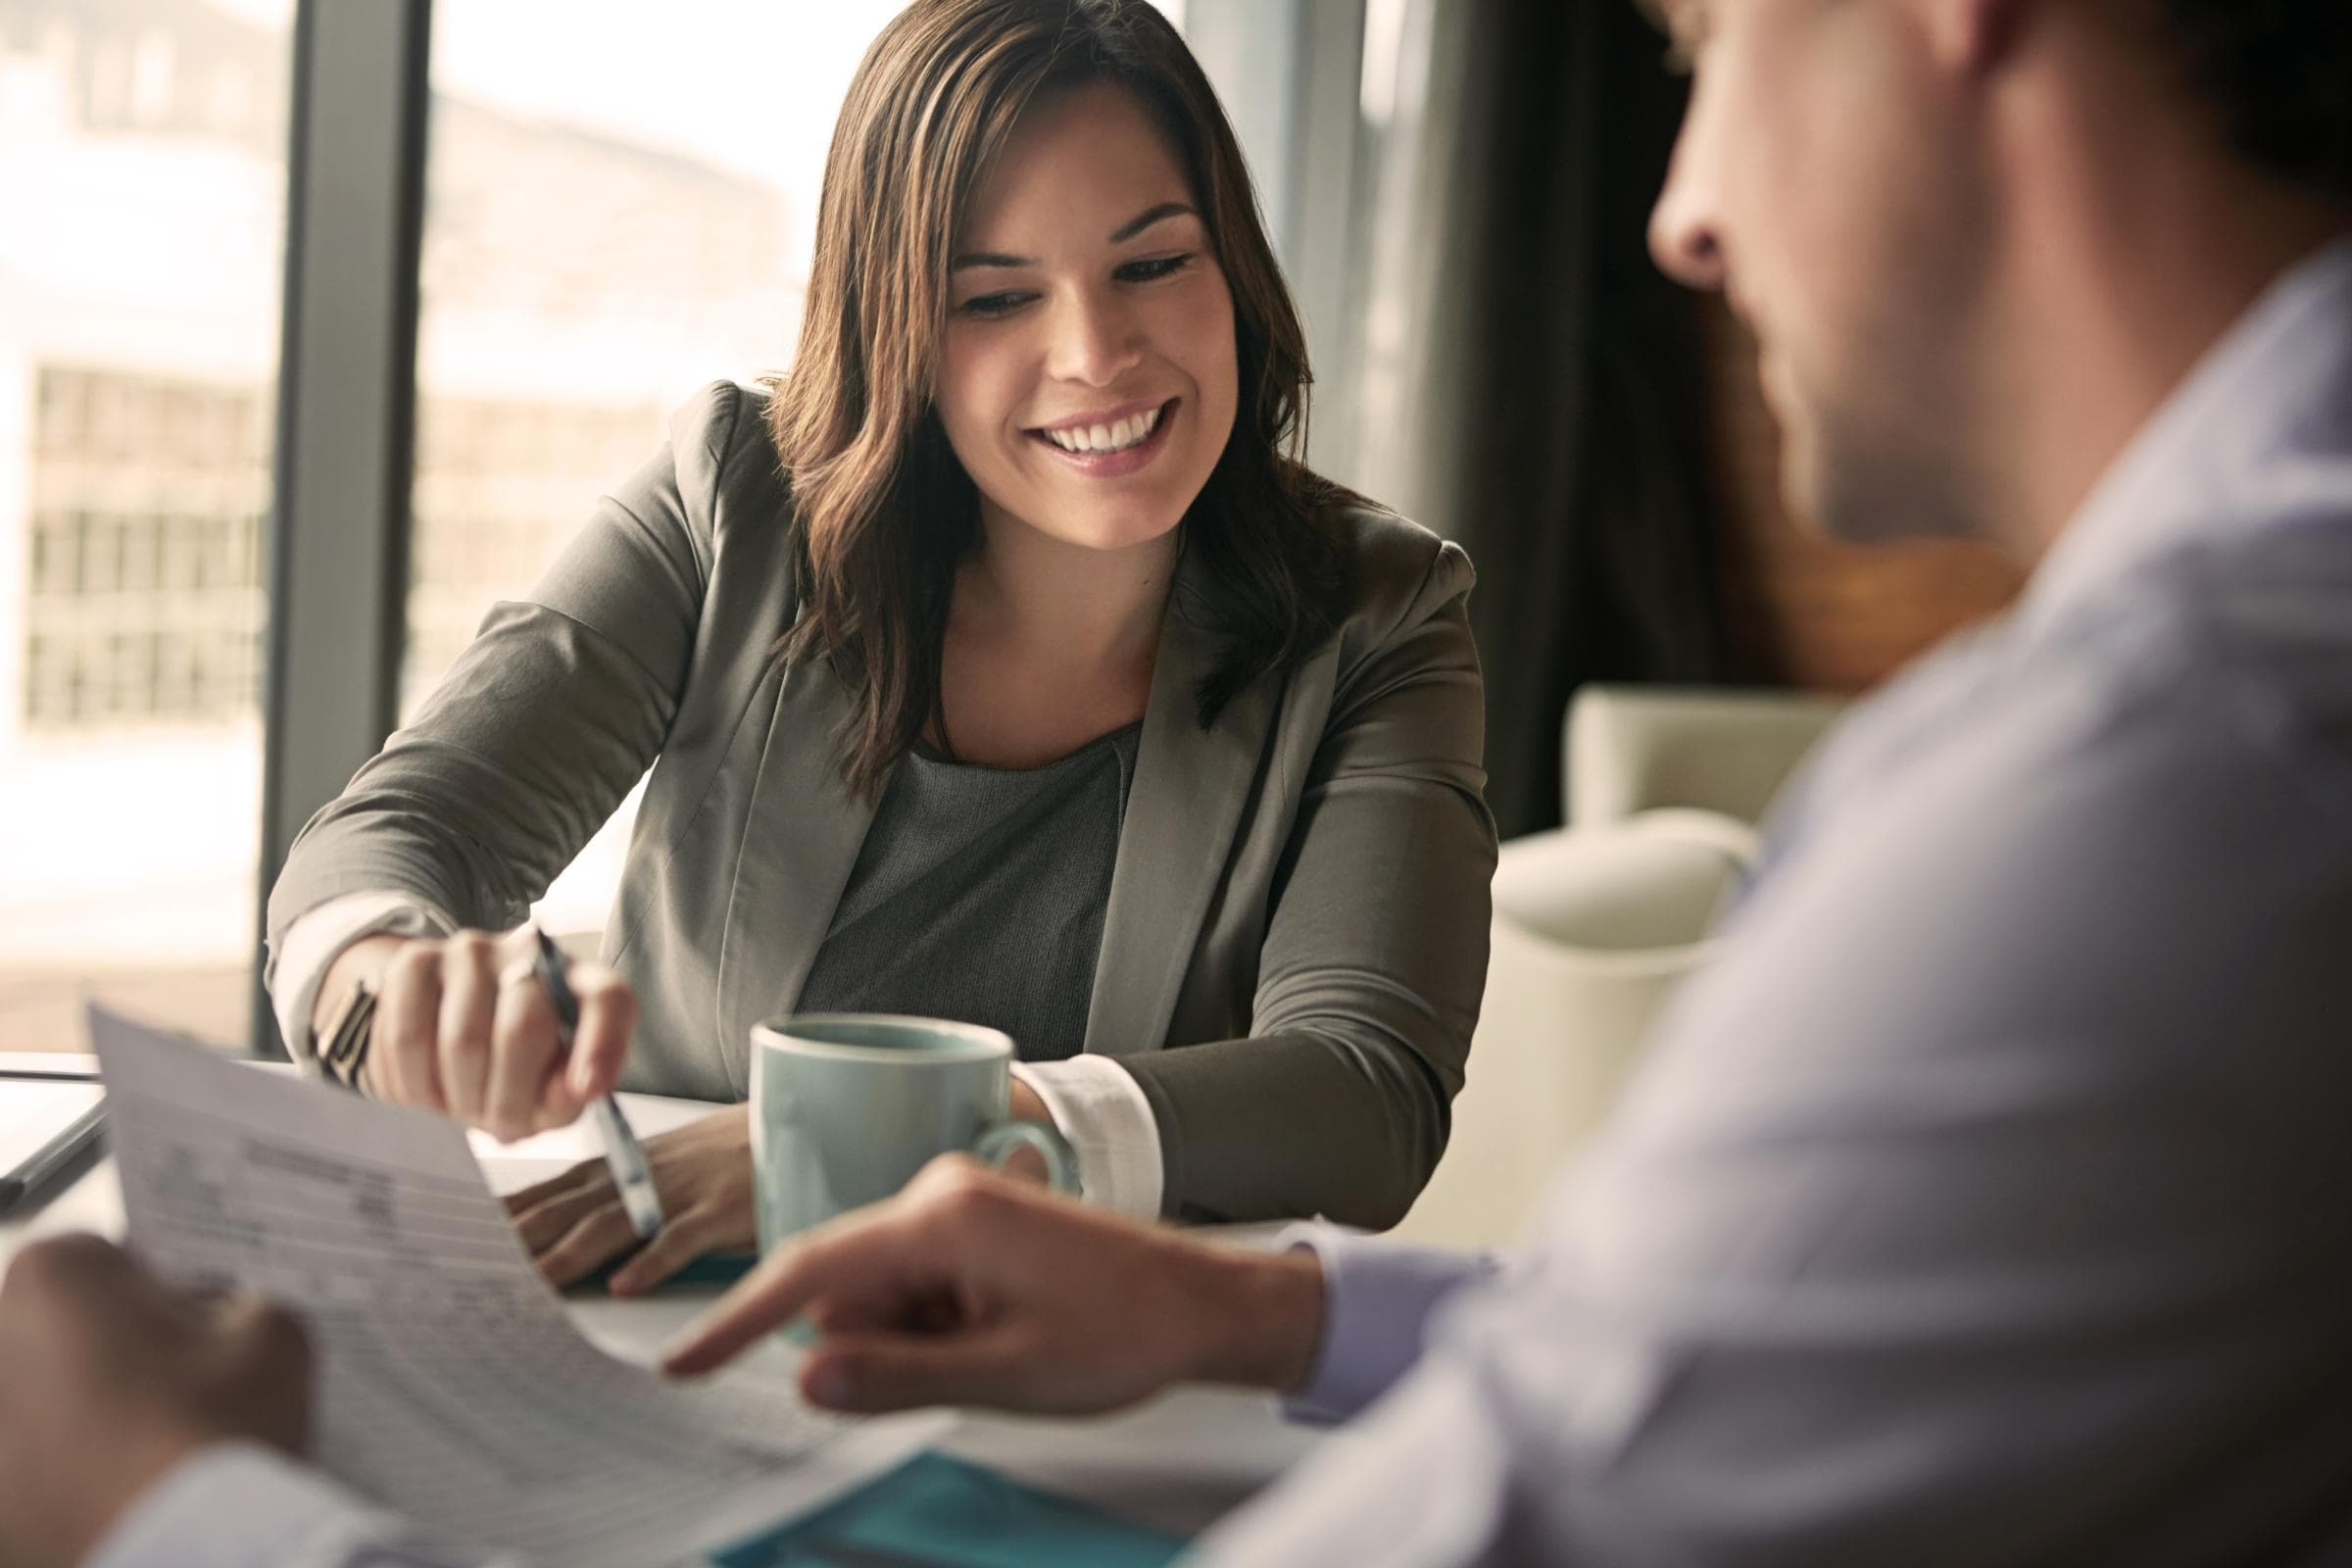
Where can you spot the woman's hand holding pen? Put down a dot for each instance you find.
(462, 1027)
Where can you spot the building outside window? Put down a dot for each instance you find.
(142, 168)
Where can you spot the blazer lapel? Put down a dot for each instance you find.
(1182, 810)
(800, 838)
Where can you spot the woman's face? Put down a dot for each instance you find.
(1088, 380)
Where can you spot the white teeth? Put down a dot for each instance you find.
(1133, 431)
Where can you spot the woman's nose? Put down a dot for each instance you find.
(1095, 342)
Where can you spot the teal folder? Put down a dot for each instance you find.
(938, 1512)
(711, 1268)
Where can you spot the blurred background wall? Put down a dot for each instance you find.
(616, 206)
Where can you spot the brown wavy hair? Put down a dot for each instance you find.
(885, 511)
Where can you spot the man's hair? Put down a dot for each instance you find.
(2279, 73)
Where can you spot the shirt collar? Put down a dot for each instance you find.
(2193, 468)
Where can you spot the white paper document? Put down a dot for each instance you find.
(452, 1385)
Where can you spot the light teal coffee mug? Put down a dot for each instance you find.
(847, 1106)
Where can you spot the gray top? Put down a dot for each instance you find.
(979, 895)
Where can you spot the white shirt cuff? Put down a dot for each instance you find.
(314, 941)
(235, 1504)
(1099, 1108)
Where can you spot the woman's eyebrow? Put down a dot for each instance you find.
(1136, 224)
(1125, 231)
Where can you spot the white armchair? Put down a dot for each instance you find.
(1596, 922)
(1638, 748)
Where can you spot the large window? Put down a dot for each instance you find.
(142, 180)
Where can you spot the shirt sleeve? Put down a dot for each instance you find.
(313, 942)
(1378, 1298)
(241, 1505)
(1099, 1108)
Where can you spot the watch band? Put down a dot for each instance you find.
(343, 1047)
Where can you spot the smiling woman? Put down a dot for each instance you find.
(1072, 243)
(1085, 383)
(1001, 662)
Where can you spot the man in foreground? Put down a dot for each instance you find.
(1982, 1202)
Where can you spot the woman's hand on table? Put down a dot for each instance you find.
(464, 1027)
(574, 1223)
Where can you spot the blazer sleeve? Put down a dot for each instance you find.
(548, 718)
(1375, 953)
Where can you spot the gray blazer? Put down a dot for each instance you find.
(1299, 899)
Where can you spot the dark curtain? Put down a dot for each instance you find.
(1544, 403)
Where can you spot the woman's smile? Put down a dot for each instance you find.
(1113, 443)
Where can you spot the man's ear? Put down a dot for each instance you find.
(1973, 36)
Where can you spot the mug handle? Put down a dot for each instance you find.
(998, 1141)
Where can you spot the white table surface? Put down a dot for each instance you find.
(1175, 1463)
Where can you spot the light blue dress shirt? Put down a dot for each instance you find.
(1985, 1201)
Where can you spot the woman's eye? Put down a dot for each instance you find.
(999, 303)
(1156, 267)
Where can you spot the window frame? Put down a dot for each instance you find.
(337, 526)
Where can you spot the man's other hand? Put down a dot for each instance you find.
(108, 1379)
